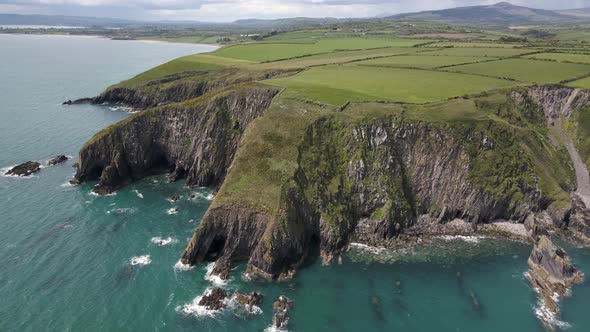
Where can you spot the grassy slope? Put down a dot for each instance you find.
(337, 85)
(262, 52)
(421, 61)
(532, 71)
(562, 57)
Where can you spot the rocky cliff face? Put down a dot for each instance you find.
(559, 104)
(551, 273)
(368, 182)
(196, 140)
(177, 87)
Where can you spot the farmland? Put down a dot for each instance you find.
(338, 84)
(335, 67)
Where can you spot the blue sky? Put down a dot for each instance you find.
(229, 10)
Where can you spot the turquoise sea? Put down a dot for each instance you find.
(70, 261)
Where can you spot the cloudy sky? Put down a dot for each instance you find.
(229, 10)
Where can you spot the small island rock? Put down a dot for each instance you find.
(57, 159)
(214, 300)
(25, 169)
(551, 273)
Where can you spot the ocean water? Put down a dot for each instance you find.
(71, 261)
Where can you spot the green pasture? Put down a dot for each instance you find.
(420, 61)
(525, 70)
(262, 52)
(562, 57)
(337, 85)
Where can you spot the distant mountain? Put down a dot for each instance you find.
(289, 22)
(78, 21)
(500, 13)
(581, 12)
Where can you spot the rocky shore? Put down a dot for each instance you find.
(383, 178)
(552, 274)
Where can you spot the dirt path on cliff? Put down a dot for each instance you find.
(582, 175)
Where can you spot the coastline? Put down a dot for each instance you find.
(109, 38)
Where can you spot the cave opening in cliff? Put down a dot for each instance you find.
(313, 251)
(216, 247)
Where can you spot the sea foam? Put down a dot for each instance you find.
(140, 260)
(179, 266)
(163, 242)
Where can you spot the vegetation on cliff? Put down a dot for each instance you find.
(330, 140)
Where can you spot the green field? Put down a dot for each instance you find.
(337, 85)
(262, 52)
(583, 83)
(481, 52)
(420, 61)
(188, 63)
(341, 57)
(562, 57)
(533, 71)
(475, 45)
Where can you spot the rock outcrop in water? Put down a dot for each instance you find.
(195, 140)
(25, 169)
(552, 274)
(214, 299)
(281, 309)
(57, 160)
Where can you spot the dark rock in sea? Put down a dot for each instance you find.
(281, 308)
(78, 101)
(76, 165)
(25, 169)
(551, 273)
(174, 198)
(249, 301)
(214, 300)
(57, 159)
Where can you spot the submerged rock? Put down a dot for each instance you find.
(249, 301)
(281, 308)
(57, 159)
(551, 273)
(25, 169)
(214, 300)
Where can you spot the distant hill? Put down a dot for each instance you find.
(500, 13)
(78, 21)
(581, 12)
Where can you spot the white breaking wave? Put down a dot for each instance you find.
(122, 211)
(212, 278)
(140, 195)
(179, 266)
(92, 193)
(273, 328)
(469, 239)
(364, 247)
(208, 197)
(197, 310)
(140, 260)
(163, 242)
(172, 211)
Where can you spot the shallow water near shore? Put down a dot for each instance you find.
(73, 261)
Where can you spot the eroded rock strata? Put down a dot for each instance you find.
(378, 174)
(195, 140)
(552, 274)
